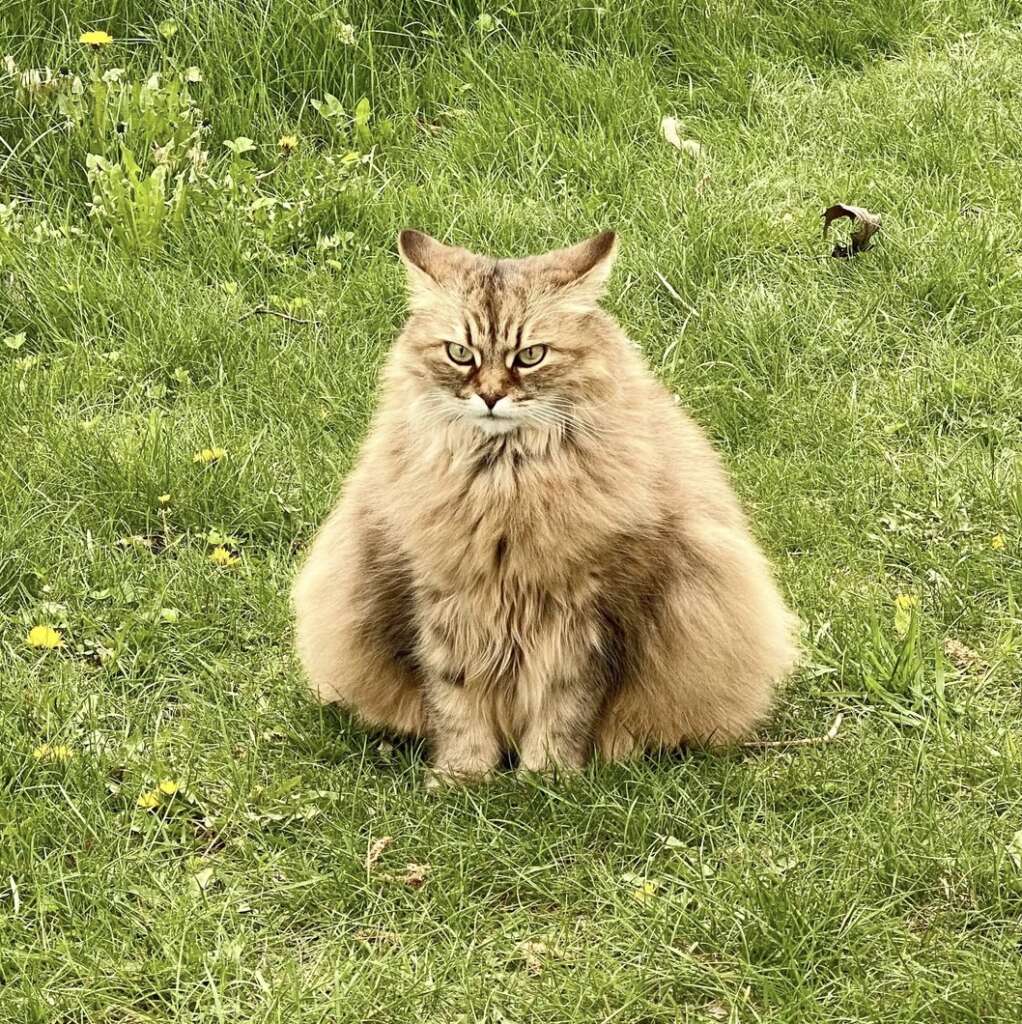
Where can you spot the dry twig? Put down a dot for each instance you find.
(806, 741)
(266, 311)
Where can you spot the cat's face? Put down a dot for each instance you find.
(503, 345)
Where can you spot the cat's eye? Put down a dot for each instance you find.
(459, 354)
(531, 356)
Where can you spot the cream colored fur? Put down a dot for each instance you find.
(577, 578)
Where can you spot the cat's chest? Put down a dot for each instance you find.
(509, 528)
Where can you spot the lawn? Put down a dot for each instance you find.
(198, 285)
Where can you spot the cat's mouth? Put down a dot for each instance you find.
(493, 417)
(491, 424)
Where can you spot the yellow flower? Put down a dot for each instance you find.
(209, 455)
(221, 556)
(288, 144)
(164, 499)
(44, 637)
(149, 799)
(904, 604)
(168, 787)
(46, 753)
(95, 39)
(998, 542)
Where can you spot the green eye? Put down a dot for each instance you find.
(459, 355)
(531, 356)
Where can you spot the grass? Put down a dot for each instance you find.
(869, 410)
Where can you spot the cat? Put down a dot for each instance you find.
(538, 552)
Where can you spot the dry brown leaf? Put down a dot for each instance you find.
(864, 226)
(414, 876)
(375, 851)
(965, 659)
(669, 130)
(533, 953)
(536, 954)
(378, 937)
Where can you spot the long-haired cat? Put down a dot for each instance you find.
(537, 552)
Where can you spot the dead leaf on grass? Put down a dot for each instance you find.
(669, 130)
(375, 851)
(964, 658)
(864, 226)
(536, 954)
(414, 876)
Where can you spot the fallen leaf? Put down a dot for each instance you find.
(964, 658)
(378, 937)
(375, 851)
(536, 954)
(669, 130)
(414, 876)
(532, 954)
(202, 879)
(864, 226)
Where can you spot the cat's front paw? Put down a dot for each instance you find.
(550, 765)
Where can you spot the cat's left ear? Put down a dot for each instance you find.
(433, 268)
(580, 273)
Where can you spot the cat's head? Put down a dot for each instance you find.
(502, 345)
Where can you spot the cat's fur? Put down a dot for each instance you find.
(574, 575)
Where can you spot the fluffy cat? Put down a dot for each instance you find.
(537, 550)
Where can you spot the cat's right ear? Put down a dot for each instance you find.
(430, 265)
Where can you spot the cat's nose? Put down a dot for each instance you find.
(491, 398)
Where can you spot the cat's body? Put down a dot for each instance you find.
(578, 576)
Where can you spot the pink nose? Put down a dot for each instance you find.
(491, 398)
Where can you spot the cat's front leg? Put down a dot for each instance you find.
(558, 732)
(465, 746)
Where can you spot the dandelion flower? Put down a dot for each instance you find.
(998, 542)
(192, 75)
(288, 144)
(149, 800)
(168, 787)
(44, 637)
(53, 753)
(221, 556)
(904, 605)
(95, 39)
(209, 455)
(164, 499)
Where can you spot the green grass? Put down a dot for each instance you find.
(870, 409)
